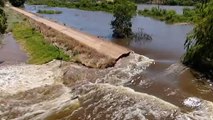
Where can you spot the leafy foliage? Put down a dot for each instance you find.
(199, 44)
(17, 3)
(123, 12)
(3, 21)
(170, 16)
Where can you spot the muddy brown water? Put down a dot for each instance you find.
(167, 78)
(11, 52)
(166, 48)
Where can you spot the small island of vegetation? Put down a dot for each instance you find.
(170, 16)
(49, 12)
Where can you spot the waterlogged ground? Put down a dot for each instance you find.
(70, 91)
(11, 52)
(136, 87)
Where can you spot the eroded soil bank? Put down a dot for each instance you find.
(60, 90)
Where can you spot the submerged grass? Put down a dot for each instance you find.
(170, 16)
(39, 49)
(49, 12)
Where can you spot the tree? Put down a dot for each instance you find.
(123, 12)
(199, 44)
(17, 3)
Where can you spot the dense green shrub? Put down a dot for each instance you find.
(17, 3)
(199, 44)
(3, 21)
(170, 16)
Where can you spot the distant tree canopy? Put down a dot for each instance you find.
(199, 44)
(123, 12)
(17, 3)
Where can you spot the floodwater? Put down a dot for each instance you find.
(10, 51)
(167, 78)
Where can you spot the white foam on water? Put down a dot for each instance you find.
(192, 102)
(17, 78)
(126, 68)
(203, 110)
(118, 102)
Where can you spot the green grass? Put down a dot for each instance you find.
(169, 16)
(40, 51)
(49, 12)
(12, 18)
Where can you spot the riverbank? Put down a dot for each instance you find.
(170, 16)
(32, 41)
(88, 50)
(106, 6)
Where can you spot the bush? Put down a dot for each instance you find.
(170, 15)
(17, 3)
(199, 43)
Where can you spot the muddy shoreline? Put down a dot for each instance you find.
(11, 52)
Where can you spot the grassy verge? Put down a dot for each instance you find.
(169, 16)
(39, 50)
(12, 18)
(49, 12)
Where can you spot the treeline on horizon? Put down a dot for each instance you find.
(76, 3)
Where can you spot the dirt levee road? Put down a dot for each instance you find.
(93, 52)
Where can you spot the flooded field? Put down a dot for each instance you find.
(137, 87)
